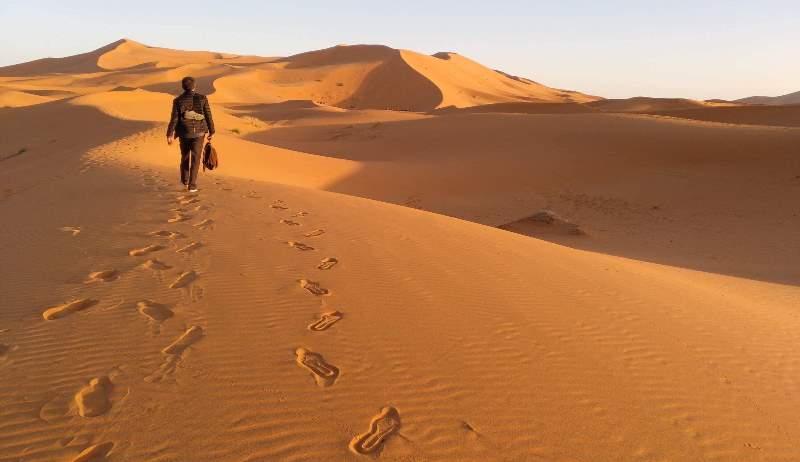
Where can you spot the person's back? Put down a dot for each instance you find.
(190, 120)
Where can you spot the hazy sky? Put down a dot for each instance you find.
(613, 48)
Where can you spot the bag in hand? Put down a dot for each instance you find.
(210, 159)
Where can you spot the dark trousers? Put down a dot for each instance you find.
(191, 150)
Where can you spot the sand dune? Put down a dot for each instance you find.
(791, 98)
(641, 186)
(122, 54)
(357, 77)
(775, 116)
(360, 76)
(710, 111)
(465, 83)
(83, 63)
(277, 315)
(521, 357)
(521, 108)
(644, 104)
(13, 98)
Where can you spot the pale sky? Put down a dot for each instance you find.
(614, 48)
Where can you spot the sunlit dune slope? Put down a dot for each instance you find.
(378, 77)
(13, 98)
(357, 77)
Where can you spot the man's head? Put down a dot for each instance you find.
(187, 83)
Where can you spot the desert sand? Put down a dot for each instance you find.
(402, 257)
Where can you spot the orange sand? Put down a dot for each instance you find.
(339, 290)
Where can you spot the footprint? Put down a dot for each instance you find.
(178, 218)
(167, 234)
(300, 214)
(205, 224)
(290, 222)
(183, 280)
(313, 287)
(60, 311)
(155, 311)
(327, 263)
(189, 201)
(279, 207)
(383, 425)
(103, 276)
(315, 233)
(325, 374)
(92, 400)
(299, 245)
(192, 335)
(155, 264)
(94, 453)
(71, 229)
(145, 250)
(174, 354)
(325, 321)
(191, 247)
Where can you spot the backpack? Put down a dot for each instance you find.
(210, 159)
(192, 114)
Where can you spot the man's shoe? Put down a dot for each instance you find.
(192, 188)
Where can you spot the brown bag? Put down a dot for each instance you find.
(210, 158)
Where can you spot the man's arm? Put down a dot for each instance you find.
(207, 115)
(173, 120)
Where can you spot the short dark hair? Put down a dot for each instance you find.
(187, 83)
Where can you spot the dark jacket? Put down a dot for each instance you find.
(187, 128)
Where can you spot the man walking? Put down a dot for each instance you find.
(189, 122)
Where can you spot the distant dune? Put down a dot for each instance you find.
(643, 104)
(791, 98)
(776, 116)
(521, 108)
(359, 76)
